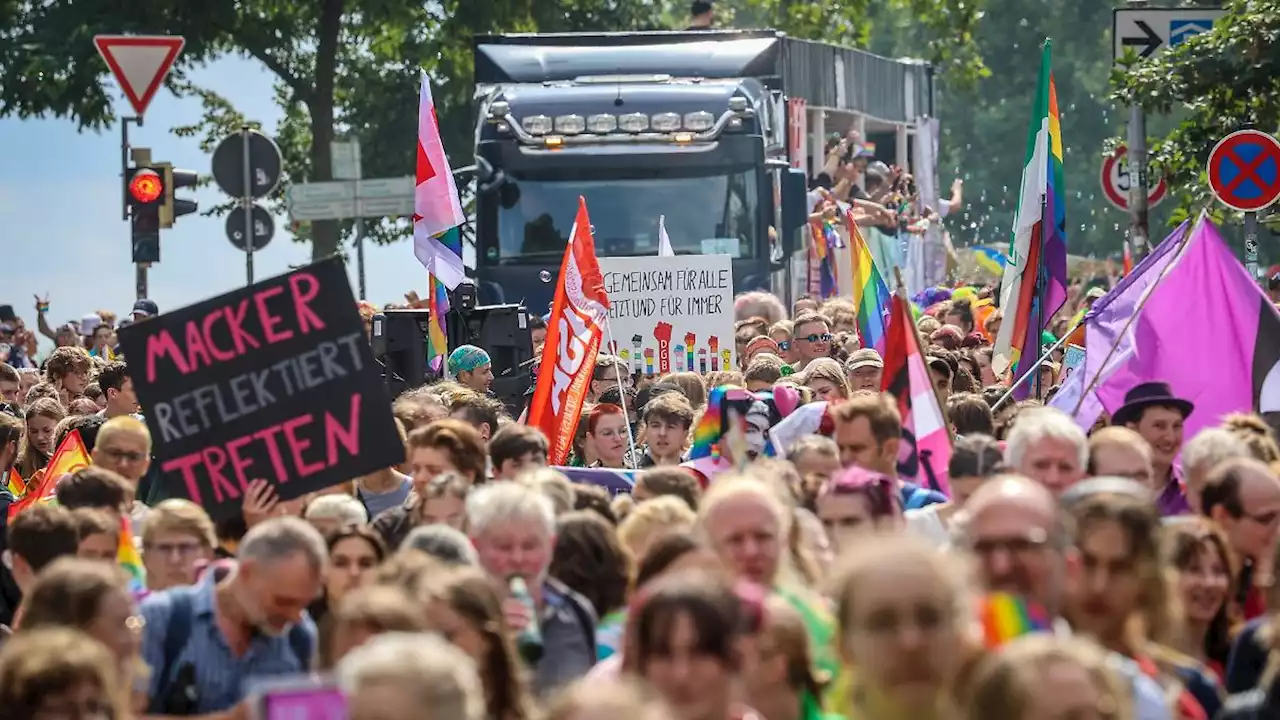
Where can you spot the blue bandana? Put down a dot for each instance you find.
(467, 358)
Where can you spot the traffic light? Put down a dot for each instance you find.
(145, 193)
(172, 207)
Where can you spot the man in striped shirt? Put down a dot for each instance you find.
(208, 643)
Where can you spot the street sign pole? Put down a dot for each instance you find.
(247, 199)
(1139, 228)
(348, 165)
(1138, 219)
(1244, 174)
(1251, 244)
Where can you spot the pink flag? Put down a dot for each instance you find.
(925, 451)
(436, 208)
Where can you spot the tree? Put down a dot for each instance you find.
(1221, 81)
(350, 68)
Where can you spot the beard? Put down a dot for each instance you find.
(258, 619)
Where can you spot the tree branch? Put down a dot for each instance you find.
(300, 89)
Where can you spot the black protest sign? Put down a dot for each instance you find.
(273, 381)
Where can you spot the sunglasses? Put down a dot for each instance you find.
(784, 345)
(824, 337)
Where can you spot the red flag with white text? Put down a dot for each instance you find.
(574, 333)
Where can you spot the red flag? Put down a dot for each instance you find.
(1128, 260)
(574, 333)
(925, 451)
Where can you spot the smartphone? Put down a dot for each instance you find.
(302, 698)
(7, 314)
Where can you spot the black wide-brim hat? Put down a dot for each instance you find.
(1149, 394)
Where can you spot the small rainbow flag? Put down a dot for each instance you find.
(870, 292)
(1005, 617)
(128, 557)
(16, 486)
(70, 456)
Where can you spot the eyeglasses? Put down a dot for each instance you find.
(124, 455)
(784, 345)
(1016, 545)
(814, 337)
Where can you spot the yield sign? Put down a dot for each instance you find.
(1244, 170)
(139, 62)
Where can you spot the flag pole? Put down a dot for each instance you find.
(622, 400)
(1137, 310)
(1036, 367)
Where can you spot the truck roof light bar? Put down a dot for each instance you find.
(728, 119)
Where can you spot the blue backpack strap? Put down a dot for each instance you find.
(176, 634)
(301, 646)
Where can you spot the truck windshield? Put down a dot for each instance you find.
(712, 213)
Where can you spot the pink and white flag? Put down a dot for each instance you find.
(436, 207)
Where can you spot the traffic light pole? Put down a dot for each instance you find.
(140, 269)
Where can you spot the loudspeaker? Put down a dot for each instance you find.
(399, 341)
(503, 332)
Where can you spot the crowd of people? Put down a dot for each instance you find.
(1125, 572)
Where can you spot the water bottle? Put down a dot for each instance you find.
(529, 641)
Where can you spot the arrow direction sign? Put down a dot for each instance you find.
(140, 63)
(1148, 32)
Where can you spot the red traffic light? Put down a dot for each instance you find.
(145, 186)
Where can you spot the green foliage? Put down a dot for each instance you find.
(1220, 81)
(984, 123)
(350, 68)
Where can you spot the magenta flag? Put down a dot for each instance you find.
(1208, 330)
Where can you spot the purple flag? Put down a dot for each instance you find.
(1103, 324)
(1207, 329)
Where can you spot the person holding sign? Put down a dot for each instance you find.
(472, 367)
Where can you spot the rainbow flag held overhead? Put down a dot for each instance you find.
(1034, 284)
(870, 293)
(825, 240)
(128, 557)
(70, 456)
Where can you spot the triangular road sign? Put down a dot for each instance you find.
(139, 62)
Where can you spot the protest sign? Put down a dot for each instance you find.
(273, 381)
(669, 314)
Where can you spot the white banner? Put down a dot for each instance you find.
(668, 314)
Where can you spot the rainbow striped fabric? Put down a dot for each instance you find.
(16, 486)
(870, 293)
(438, 305)
(1034, 286)
(128, 557)
(1005, 617)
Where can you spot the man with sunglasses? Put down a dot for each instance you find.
(810, 339)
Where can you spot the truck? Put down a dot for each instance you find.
(708, 133)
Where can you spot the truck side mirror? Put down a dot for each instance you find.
(795, 211)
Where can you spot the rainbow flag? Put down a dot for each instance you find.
(438, 306)
(870, 293)
(70, 456)
(1034, 285)
(16, 486)
(1005, 617)
(128, 557)
(822, 233)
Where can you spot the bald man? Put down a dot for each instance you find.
(1013, 526)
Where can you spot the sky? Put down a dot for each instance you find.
(77, 248)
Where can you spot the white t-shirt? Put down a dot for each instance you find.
(926, 523)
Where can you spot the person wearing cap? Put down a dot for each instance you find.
(97, 337)
(472, 367)
(1157, 415)
(144, 309)
(865, 369)
(759, 344)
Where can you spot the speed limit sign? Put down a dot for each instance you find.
(1115, 182)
